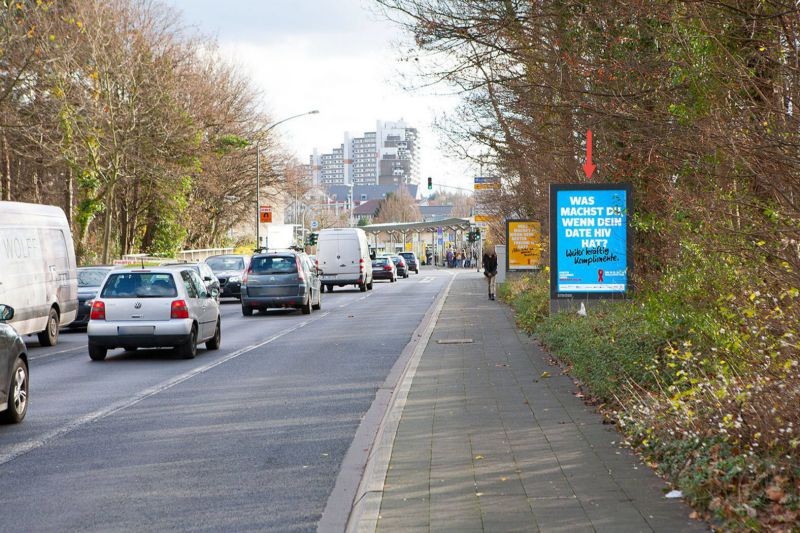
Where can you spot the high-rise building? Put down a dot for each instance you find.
(387, 156)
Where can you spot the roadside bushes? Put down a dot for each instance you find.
(700, 374)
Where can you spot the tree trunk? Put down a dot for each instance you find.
(107, 225)
(5, 186)
(69, 195)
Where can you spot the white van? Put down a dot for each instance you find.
(343, 258)
(38, 277)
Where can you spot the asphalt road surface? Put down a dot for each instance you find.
(250, 437)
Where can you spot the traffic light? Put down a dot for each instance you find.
(312, 239)
(430, 184)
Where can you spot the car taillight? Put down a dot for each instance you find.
(179, 309)
(98, 311)
(387, 267)
(361, 264)
(246, 273)
(299, 269)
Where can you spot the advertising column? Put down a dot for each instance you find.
(590, 245)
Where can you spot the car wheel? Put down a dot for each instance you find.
(362, 287)
(188, 350)
(247, 311)
(319, 303)
(306, 308)
(369, 285)
(49, 337)
(263, 309)
(131, 349)
(214, 342)
(97, 353)
(392, 279)
(17, 394)
(330, 288)
(405, 275)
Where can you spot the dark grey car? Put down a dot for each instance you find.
(89, 281)
(280, 280)
(13, 371)
(229, 269)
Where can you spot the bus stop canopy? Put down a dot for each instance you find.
(449, 224)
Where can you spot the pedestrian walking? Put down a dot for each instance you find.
(490, 271)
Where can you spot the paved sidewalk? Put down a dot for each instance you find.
(485, 443)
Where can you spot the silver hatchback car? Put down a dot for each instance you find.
(154, 308)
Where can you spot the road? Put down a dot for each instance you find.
(250, 437)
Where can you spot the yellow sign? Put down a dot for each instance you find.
(486, 186)
(485, 218)
(524, 240)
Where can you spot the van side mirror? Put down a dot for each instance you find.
(213, 293)
(6, 312)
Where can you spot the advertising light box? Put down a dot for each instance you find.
(524, 241)
(590, 248)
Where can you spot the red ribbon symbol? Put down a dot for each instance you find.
(600, 275)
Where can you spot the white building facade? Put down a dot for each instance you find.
(389, 155)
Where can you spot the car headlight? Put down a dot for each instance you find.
(234, 279)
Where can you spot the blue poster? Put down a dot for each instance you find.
(590, 234)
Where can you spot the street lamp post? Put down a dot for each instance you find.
(258, 169)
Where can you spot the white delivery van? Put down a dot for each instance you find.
(38, 277)
(343, 258)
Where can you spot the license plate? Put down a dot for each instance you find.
(136, 330)
(329, 276)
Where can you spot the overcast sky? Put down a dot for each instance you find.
(338, 56)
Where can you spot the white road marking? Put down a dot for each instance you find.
(34, 357)
(25, 447)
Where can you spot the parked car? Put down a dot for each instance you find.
(400, 264)
(13, 371)
(411, 261)
(229, 270)
(343, 256)
(89, 281)
(155, 307)
(281, 279)
(206, 274)
(38, 275)
(383, 268)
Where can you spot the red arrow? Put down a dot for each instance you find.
(589, 167)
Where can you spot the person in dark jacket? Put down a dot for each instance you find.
(490, 271)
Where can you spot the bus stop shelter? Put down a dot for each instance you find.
(427, 233)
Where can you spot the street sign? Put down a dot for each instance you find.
(314, 224)
(265, 213)
(483, 183)
(485, 218)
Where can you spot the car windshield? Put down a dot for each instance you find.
(380, 261)
(275, 264)
(220, 264)
(139, 285)
(408, 255)
(397, 259)
(91, 277)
